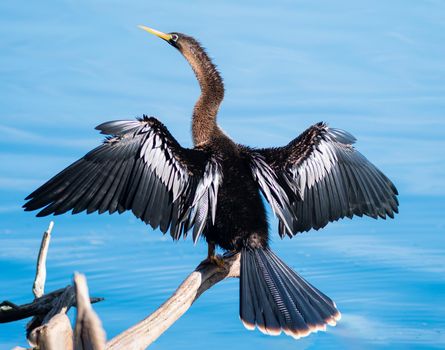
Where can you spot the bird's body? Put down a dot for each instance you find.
(215, 188)
(241, 213)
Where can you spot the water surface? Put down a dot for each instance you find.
(374, 68)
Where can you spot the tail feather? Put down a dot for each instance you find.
(317, 301)
(275, 298)
(254, 311)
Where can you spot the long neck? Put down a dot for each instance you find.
(204, 125)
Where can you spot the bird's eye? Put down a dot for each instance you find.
(175, 37)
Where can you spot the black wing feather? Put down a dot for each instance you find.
(142, 168)
(321, 178)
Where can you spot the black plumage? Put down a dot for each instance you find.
(215, 190)
(326, 179)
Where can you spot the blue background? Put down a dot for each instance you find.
(374, 68)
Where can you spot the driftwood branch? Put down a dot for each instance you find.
(38, 287)
(88, 334)
(10, 312)
(51, 329)
(206, 275)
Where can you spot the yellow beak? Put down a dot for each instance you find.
(159, 34)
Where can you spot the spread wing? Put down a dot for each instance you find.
(142, 168)
(324, 179)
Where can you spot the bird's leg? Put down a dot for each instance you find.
(212, 257)
(210, 250)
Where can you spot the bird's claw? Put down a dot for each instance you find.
(217, 260)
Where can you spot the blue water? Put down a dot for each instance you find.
(374, 68)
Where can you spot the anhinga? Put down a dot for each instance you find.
(216, 188)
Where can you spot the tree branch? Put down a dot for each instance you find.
(206, 275)
(10, 312)
(38, 287)
(88, 334)
(51, 329)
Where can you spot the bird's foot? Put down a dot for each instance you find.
(217, 260)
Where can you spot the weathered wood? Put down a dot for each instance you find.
(10, 312)
(88, 333)
(51, 329)
(38, 287)
(56, 334)
(41, 330)
(141, 335)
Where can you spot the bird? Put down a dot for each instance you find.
(217, 190)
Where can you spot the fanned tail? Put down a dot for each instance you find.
(275, 298)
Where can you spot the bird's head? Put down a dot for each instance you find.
(178, 40)
(208, 77)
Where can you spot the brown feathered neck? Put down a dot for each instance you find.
(204, 126)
